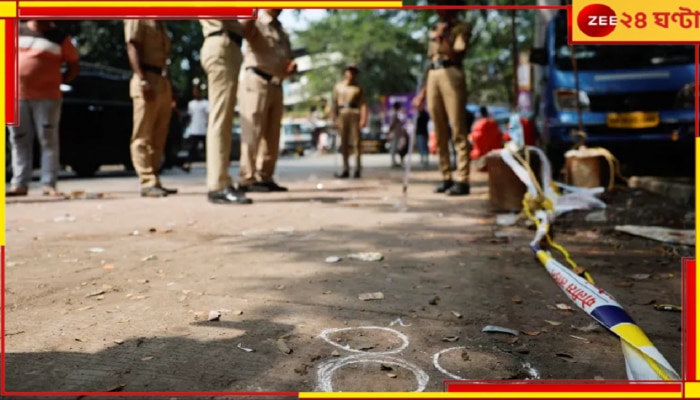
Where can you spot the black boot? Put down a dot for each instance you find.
(344, 175)
(358, 174)
(228, 196)
(444, 186)
(459, 189)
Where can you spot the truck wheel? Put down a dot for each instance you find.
(8, 160)
(85, 169)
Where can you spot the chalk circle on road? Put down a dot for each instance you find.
(326, 370)
(436, 362)
(325, 335)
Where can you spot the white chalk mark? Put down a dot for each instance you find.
(534, 374)
(436, 362)
(399, 321)
(327, 369)
(404, 339)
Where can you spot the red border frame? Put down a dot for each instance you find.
(689, 273)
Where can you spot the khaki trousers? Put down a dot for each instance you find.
(261, 118)
(150, 131)
(350, 136)
(447, 101)
(221, 60)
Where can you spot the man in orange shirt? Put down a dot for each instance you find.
(485, 136)
(42, 50)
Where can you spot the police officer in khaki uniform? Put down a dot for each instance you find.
(221, 59)
(446, 92)
(148, 48)
(349, 113)
(268, 61)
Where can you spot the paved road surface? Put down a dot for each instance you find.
(92, 304)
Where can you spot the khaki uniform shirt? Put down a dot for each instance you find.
(155, 44)
(347, 96)
(460, 35)
(210, 26)
(270, 49)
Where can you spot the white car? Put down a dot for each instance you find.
(296, 137)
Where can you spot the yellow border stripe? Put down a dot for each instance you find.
(2, 119)
(493, 395)
(236, 4)
(8, 9)
(692, 390)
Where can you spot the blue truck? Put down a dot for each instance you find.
(637, 101)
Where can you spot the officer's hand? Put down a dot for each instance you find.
(417, 101)
(147, 91)
(291, 67)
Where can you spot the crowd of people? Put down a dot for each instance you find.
(267, 61)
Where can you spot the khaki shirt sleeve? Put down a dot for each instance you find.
(134, 31)
(334, 101)
(361, 98)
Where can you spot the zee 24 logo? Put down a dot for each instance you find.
(599, 20)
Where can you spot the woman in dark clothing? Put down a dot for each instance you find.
(422, 134)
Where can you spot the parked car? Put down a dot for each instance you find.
(96, 122)
(296, 137)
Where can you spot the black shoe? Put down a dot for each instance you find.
(344, 175)
(228, 196)
(444, 186)
(273, 187)
(357, 175)
(168, 191)
(459, 189)
(153, 191)
(254, 187)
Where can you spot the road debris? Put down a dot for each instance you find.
(108, 267)
(516, 300)
(149, 358)
(500, 329)
(660, 234)
(64, 218)
(214, 316)
(532, 333)
(237, 312)
(247, 350)
(335, 353)
(593, 326)
(95, 293)
(562, 306)
(434, 301)
(553, 323)
(596, 216)
(149, 257)
(370, 256)
(566, 357)
(333, 259)
(584, 340)
(667, 307)
(456, 314)
(640, 277)
(283, 347)
(450, 339)
(371, 296)
(118, 341)
(96, 250)
(390, 375)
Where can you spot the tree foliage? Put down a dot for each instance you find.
(389, 47)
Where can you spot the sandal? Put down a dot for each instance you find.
(17, 191)
(51, 191)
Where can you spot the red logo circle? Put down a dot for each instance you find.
(597, 20)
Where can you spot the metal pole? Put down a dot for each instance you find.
(515, 58)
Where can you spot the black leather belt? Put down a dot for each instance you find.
(269, 78)
(154, 69)
(235, 38)
(441, 64)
